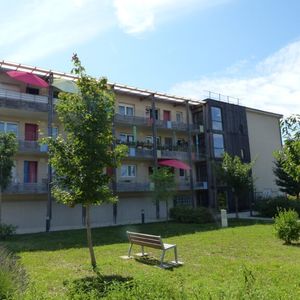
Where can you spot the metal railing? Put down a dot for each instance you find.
(222, 98)
(26, 188)
(133, 186)
(8, 94)
(31, 146)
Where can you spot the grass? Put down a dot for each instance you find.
(244, 261)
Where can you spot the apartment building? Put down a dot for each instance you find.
(188, 135)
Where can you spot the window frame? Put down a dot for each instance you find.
(127, 175)
(215, 135)
(179, 113)
(218, 121)
(13, 123)
(126, 106)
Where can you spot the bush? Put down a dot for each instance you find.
(13, 278)
(287, 226)
(6, 231)
(187, 214)
(268, 207)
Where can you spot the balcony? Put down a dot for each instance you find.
(198, 185)
(146, 121)
(133, 186)
(8, 94)
(26, 188)
(31, 147)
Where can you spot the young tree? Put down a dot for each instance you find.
(290, 160)
(285, 181)
(8, 148)
(164, 186)
(237, 176)
(80, 158)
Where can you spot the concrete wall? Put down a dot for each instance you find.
(30, 215)
(264, 138)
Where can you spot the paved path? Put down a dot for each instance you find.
(246, 215)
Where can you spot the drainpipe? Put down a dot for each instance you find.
(50, 133)
(154, 134)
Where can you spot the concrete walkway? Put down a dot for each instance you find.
(246, 215)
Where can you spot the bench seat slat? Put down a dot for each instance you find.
(156, 246)
(142, 239)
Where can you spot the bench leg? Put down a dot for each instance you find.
(129, 250)
(143, 253)
(162, 258)
(175, 253)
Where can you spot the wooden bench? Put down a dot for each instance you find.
(151, 241)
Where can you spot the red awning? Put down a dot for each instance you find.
(174, 163)
(28, 78)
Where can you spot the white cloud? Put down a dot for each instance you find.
(40, 28)
(137, 16)
(272, 85)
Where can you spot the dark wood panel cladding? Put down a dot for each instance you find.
(235, 128)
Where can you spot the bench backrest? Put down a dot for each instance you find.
(148, 240)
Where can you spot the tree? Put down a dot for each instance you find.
(80, 158)
(290, 126)
(285, 181)
(164, 186)
(237, 176)
(289, 158)
(8, 148)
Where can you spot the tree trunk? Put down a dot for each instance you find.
(0, 205)
(167, 211)
(236, 198)
(89, 238)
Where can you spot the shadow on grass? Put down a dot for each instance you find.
(97, 286)
(153, 261)
(110, 235)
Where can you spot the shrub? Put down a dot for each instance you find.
(187, 214)
(13, 278)
(6, 231)
(287, 226)
(268, 207)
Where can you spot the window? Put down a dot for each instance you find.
(216, 117)
(9, 127)
(181, 173)
(149, 113)
(126, 138)
(126, 109)
(179, 117)
(30, 171)
(149, 139)
(128, 171)
(218, 144)
(168, 142)
(31, 132)
(32, 91)
(166, 115)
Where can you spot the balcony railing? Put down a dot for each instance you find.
(144, 121)
(26, 188)
(133, 186)
(148, 186)
(8, 94)
(31, 146)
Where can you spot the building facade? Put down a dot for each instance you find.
(156, 127)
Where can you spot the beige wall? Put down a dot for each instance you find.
(264, 139)
(140, 107)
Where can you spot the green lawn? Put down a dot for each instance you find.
(244, 261)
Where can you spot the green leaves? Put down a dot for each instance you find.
(8, 148)
(236, 174)
(81, 156)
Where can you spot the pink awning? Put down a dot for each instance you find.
(28, 78)
(174, 163)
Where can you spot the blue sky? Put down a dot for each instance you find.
(246, 49)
